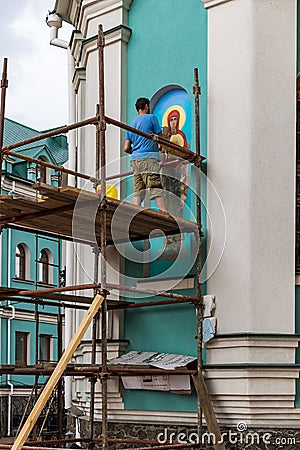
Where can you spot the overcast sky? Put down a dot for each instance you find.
(37, 71)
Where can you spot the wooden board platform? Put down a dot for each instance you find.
(76, 213)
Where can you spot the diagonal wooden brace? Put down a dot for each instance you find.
(208, 411)
(58, 372)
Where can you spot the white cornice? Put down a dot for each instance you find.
(76, 45)
(211, 3)
(92, 9)
(79, 76)
(28, 316)
(120, 33)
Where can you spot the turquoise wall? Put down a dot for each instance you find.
(169, 39)
(8, 247)
(34, 246)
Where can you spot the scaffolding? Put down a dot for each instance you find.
(28, 215)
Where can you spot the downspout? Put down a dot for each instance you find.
(54, 21)
(10, 384)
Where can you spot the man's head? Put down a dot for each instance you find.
(142, 104)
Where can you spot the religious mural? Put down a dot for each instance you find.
(173, 110)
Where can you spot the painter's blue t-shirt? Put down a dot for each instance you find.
(141, 146)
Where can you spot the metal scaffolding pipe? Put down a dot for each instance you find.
(50, 165)
(4, 84)
(120, 287)
(103, 240)
(49, 234)
(199, 303)
(51, 133)
(91, 370)
(29, 447)
(39, 292)
(43, 213)
(146, 304)
(160, 140)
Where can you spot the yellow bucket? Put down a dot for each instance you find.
(111, 190)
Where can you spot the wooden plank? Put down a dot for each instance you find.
(84, 215)
(58, 372)
(208, 411)
(52, 193)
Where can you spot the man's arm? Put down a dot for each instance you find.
(127, 146)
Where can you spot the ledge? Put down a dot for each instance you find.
(211, 3)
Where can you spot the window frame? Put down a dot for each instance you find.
(20, 262)
(25, 335)
(47, 338)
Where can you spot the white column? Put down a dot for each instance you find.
(251, 160)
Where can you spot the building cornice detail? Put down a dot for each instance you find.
(211, 3)
(28, 316)
(119, 33)
(79, 77)
(94, 9)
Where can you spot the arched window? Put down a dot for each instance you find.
(44, 267)
(45, 261)
(22, 263)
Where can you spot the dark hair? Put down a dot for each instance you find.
(141, 103)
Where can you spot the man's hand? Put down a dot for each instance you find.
(127, 146)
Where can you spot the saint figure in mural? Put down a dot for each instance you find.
(175, 180)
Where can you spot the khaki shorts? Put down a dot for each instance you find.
(147, 176)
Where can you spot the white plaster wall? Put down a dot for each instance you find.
(251, 161)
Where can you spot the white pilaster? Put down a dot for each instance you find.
(251, 163)
(251, 160)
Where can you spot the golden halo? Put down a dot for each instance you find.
(182, 116)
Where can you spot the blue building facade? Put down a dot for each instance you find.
(29, 261)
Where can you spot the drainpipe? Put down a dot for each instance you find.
(10, 384)
(54, 21)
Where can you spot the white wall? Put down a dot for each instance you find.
(251, 160)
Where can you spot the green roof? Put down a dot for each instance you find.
(16, 132)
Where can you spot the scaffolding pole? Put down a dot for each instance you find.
(4, 85)
(199, 304)
(101, 127)
(93, 379)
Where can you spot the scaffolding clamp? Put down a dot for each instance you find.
(104, 376)
(102, 291)
(197, 160)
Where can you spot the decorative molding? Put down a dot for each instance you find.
(75, 45)
(156, 417)
(29, 316)
(116, 34)
(79, 77)
(211, 3)
(92, 10)
(256, 351)
(22, 187)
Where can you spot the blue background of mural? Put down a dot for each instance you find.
(175, 97)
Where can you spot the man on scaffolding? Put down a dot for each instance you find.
(145, 156)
